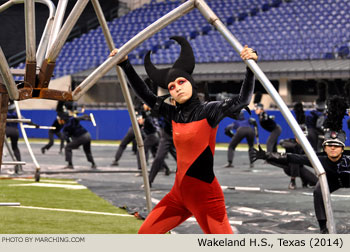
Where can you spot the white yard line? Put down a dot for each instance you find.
(48, 181)
(73, 211)
(65, 186)
(332, 195)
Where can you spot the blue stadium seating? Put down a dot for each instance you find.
(279, 30)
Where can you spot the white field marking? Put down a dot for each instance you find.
(48, 180)
(73, 187)
(332, 195)
(275, 191)
(10, 204)
(73, 211)
(249, 211)
(240, 188)
(244, 188)
(155, 201)
(283, 212)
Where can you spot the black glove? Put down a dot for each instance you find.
(84, 117)
(229, 133)
(34, 124)
(257, 154)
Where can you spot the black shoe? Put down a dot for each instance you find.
(43, 150)
(251, 165)
(93, 166)
(115, 163)
(292, 185)
(167, 172)
(17, 169)
(228, 165)
(69, 167)
(324, 231)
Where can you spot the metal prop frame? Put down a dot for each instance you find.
(62, 34)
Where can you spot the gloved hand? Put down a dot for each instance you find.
(257, 154)
(84, 117)
(34, 124)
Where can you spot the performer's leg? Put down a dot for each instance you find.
(14, 147)
(50, 143)
(236, 139)
(319, 205)
(61, 137)
(250, 136)
(87, 149)
(74, 144)
(166, 215)
(206, 202)
(130, 136)
(307, 177)
(271, 144)
(159, 159)
(150, 141)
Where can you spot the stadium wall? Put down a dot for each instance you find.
(113, 125)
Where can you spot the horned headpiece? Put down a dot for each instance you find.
(183, 66)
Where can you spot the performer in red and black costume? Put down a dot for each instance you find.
(196, 191)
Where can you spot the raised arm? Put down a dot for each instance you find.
(138, 85)
(142, 90)
(248, 85)
(231, 107)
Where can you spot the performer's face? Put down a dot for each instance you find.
(180, 89)
(333, 152)
(146, 108)
(258, 110)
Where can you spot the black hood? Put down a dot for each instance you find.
(183, 66)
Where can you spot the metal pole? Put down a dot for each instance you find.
(214, 20)
(47, 30)
(4, 99)
(43, 45)
(10, 204)
(13, 163)
(7, 77)
(62, 36)
(29, 12)
(129, 103)
(16, 120)
(130, 45)
(6, 5)
(57, 23)
(24, 134)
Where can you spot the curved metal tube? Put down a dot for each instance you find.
(129, 103)
(43, 45)
(7, 77)
(57, 22)
(29, 14)
(214, 20)
(24, 134)
(131, 45)
(62, 36)
(45, 37)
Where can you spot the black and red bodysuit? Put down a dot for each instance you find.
(196, 191)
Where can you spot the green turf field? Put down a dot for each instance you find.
(59, 207)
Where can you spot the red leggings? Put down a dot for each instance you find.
(193, 197)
